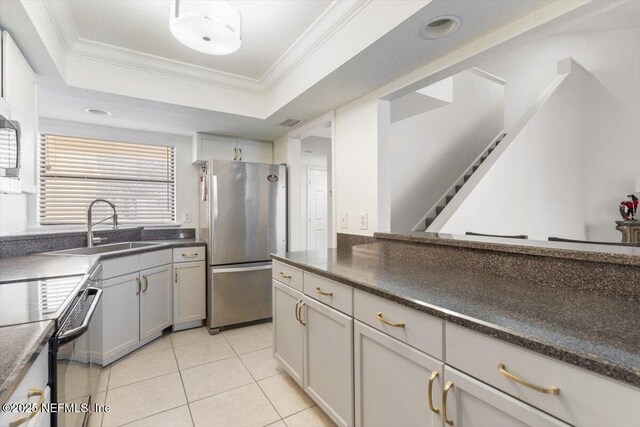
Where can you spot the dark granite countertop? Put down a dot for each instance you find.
(50, 265)
(20, 345)
(626, 255)
(595, 332)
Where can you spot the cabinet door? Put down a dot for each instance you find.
(156, 300)
(217, 147)
(287, 329)
(189, 291)
(392, 382)
(255, 151)
(471, 403)
(328, 360)
(115, 326)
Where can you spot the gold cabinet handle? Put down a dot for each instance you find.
(235, 154)
(32, 392)
(548, 390)
(190, 255)
(385, 321)
(300, 313)
(321, 292)
(139, 285)
(448, 386)
(432, 378)
(296, 312)
(146, 283)
(284, 276)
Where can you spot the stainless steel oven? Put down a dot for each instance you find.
(73, 375)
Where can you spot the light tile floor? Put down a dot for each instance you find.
(191, 378)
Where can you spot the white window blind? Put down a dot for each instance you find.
(138, 178)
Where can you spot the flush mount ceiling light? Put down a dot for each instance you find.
(211, 27)
(439, 26)
(97, 112)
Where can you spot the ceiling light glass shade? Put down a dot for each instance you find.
(211, 27)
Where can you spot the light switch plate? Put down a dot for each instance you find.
(364, 221)
(344, 223)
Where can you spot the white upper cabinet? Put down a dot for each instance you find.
(206, 147)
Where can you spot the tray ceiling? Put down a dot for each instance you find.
(268, 30)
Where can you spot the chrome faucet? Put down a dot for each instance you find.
(90, 239)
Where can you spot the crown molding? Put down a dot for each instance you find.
(337, 14)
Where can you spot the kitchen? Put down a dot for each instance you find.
(199, 218)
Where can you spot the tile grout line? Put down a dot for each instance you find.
(152, 415)
(186, 397)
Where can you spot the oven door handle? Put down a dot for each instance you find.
(74, 333)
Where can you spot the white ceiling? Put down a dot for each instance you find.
(396, 53)
(269, 28)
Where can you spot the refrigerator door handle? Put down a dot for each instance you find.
(214, 213)
(241, 269)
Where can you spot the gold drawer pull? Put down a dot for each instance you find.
(432, 378)
(284, 276)
(448, 386)
(321, 292)
(383, 320)
(32, 392)
(302, 304)
(193, 255)
(550, 390)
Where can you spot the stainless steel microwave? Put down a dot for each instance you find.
(9, 147)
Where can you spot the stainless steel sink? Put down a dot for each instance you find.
(103, 249)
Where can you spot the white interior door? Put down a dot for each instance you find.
(316, 209)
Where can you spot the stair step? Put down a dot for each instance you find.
(483, 158)
(475, 168)
(490, 151)
(466, 178)
(458, 187)
(439, 209)
(448, 199)
(427, 222)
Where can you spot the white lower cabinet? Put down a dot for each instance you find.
(156, 300)
(32, 389)
(471, 403)
(328, 359)
(288, 330)
(189, 281)
(395, 384)
(117, 325)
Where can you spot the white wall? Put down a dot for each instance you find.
(360, 136)
(537, 186)
(431, 150)
(187, 175)
(612, 98)
(20, 92)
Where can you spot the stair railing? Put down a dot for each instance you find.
(420, 226)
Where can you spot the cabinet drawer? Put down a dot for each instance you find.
(287, 274)
(115, 267)
(36, 378)
(155, 259)
(419, 330)
(193, 253)
(334, 294)
(583, 398)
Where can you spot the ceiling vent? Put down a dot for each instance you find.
(289, 122)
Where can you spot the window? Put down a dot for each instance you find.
(138, 178)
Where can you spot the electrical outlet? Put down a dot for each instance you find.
(344, 223)
(186, 217)
(364, 221)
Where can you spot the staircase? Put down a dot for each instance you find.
(457, 185)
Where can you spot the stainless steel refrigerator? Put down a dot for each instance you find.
(243, 219)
